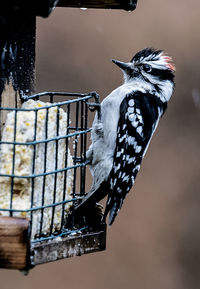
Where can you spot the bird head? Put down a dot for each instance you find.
(151, 66)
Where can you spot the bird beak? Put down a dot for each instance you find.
(123, 65)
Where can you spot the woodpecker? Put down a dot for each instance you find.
(123, 129)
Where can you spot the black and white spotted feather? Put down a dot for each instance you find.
(139, 115)
(122, 133)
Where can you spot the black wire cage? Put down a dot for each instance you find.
(43, 173)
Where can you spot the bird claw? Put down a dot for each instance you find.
(93, 106)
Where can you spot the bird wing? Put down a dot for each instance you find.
(139, 115)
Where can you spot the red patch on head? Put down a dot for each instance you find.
(169, 62)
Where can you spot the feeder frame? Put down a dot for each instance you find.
(73, 238)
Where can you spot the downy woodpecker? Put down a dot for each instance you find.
(123, 129)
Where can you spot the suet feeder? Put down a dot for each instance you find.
(43, 142)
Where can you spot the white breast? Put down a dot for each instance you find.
(104, 131)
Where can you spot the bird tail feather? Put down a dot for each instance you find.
(93, 197)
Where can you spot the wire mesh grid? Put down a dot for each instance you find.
(43, 160)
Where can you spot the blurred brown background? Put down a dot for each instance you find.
(155, 241)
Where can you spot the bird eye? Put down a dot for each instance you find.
(147, 68)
